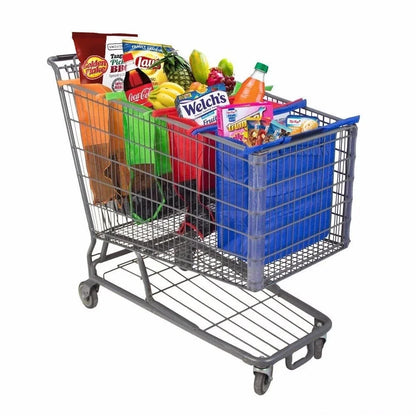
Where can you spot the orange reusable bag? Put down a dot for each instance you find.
(101, 130)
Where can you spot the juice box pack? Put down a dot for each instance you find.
(232, 119)
(201, 107)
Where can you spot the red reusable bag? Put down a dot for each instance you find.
(193, 169)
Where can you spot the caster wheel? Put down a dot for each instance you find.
(261, 383)
(184, 253)
(318, 347)
(88, 295)
(184, 257)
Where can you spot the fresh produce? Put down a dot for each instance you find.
(193, 76)
(165, 94)
(197, 86)
(226, 67)
(216, 76)
(229, 84)
(176, 68)
(199, 66)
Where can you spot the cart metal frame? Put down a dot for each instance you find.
(303, 327)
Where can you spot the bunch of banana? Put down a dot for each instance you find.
(163, 96)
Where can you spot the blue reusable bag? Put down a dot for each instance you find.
(273, 202)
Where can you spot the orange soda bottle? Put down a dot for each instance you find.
(252, 89)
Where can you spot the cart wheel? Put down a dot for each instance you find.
(88, 295)
(261, 383)
(318, 347)
(184, 257)
(184, 253)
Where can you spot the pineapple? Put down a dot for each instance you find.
(176, 69)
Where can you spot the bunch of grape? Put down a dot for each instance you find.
(216, 76)
(229, 83)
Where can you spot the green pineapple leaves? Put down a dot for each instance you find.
(172, 59)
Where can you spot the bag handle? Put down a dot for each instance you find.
(210, 128)
(294, 105)
(341, 123)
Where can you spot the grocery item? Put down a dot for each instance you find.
(253, 88)
(137, 84)
(145, 54)
(257, 131)
(114, 77)
(201, 107)
(300, 124)
(199, 66)
(265, 131)
(276, 131)
(263, 128)
(229, 82)
(268, 88)
(216, 76)
(176, 68)
(226, 67)
(254, 137)
(165, 94)
(100, 57)
(281, 117)
(197, 86)
(232, 119)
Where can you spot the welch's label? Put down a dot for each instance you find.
(201, 107)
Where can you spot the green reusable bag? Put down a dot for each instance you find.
(147, 156)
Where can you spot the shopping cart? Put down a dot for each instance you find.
(272, 212)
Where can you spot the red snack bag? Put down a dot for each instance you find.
(101, 58)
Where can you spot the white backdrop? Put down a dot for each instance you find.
(58, 358)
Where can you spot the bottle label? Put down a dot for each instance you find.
(139, 94)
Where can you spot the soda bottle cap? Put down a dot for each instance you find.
(127, 57)
(262, 67)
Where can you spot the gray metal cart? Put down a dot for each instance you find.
(166, 217)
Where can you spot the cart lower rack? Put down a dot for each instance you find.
(260, 328)
(206, 226)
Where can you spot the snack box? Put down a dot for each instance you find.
(201, 106)
(300, 124)
(232, 119)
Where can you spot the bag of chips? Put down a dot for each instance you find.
(145, 54)
(101, 58)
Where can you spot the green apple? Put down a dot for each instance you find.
(226, 67)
